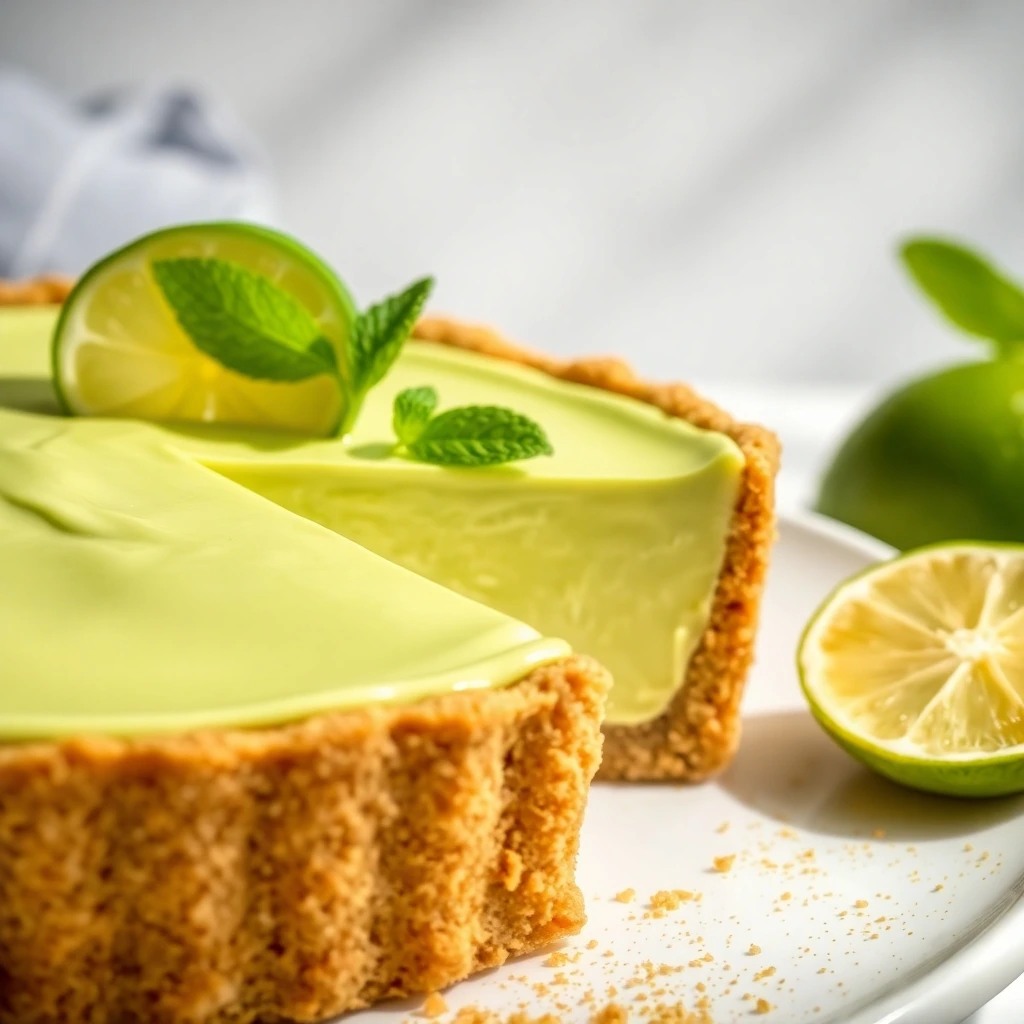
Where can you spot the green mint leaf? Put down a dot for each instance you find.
(243, 320)
(412, 412)
(380, 333)
(479, 435)
(971, 293)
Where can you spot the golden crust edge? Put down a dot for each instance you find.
(46, 290)
(295, 872)
(698, 733)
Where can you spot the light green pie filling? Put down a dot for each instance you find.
(147, 584)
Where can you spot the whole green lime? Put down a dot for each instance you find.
(941, 459)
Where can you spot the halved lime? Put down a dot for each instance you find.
(917, 668)
(119, 351)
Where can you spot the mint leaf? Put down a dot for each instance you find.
(243, 320)
(380, 333)
(479, 435)
(413, 409)
(969, 291)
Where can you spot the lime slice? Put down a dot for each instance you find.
(119, 351)
(917, 668)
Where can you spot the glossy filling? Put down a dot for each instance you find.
(124, 558)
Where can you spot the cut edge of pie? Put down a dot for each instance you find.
(697, 734)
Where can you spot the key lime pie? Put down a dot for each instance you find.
(290, 715)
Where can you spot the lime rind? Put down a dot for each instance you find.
(261, 245)
(958, 773)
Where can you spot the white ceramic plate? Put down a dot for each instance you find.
(873, 904)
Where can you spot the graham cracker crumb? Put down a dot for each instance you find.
(724, 864)
(669, 899)
(475, 1015)
(626, 896)
(434, 1005)
(511, 869)
(613, 1013)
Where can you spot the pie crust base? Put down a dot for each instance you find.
(297, 872)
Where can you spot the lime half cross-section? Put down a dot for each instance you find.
(119, 351)
(917, 668)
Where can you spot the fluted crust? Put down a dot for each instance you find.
(698, 732)
(296, 872)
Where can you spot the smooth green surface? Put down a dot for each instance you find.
(141, 592)
(940, 459)
(213, 606)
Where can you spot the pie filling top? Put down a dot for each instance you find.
(157, 578)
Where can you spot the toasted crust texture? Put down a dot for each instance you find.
(297, 872)
(50, 290)
(697, 734)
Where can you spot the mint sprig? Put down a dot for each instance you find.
(470, 435)
(380, 333)
(377, 338)
(243, 320)
(250, 325)
(412, 412)
(970, 292)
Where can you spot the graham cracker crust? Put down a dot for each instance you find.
(698, 733)
(49, 290)
(297, 872)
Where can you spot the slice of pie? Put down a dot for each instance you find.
(255, 768)
(160, 861)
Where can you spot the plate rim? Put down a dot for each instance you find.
(994, 958)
